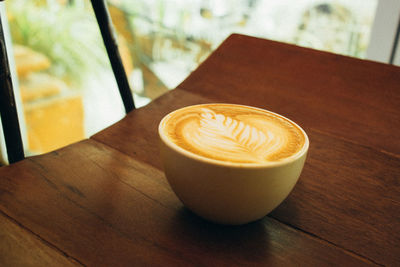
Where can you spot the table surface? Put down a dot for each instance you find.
(105, 200)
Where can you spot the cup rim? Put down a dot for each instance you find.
(200, 158)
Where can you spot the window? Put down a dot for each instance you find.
(65, 85)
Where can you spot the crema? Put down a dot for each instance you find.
(234, 133)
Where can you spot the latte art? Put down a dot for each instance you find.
(233, 133)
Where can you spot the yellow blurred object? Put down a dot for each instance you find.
(125, 37)
(53, 113)
(62, 2)
(54, 122)
(39, 85)
(125, 55)
(121, 23)
(27, 60)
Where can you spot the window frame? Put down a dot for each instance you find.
(384, 41)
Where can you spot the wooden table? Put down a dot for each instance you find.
(105, 201)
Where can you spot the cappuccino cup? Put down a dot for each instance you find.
(231, 164)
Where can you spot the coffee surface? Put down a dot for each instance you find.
(233, 133)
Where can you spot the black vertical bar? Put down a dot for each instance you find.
(110, 42)
(8, 109)
(395, 44)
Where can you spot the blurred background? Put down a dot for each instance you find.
(64, 85)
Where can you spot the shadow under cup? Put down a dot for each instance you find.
(226, 192)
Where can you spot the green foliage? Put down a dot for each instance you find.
(67, 35)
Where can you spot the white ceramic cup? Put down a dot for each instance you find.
(226, 192)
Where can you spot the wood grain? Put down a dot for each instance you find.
(105, 208)
(105, 201)
(19, 247)
(355, 99)
(349, 191)
(350, 195)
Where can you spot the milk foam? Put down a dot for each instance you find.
(234, 133)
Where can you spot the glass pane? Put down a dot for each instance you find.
(67, 87)
(169, 38)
